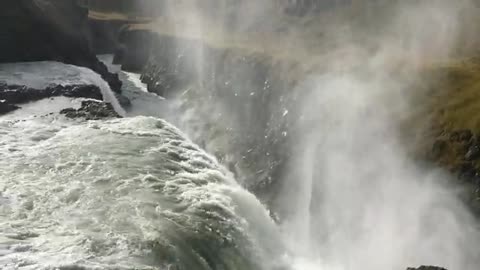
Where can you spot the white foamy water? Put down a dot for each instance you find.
(143, 102)
(122, 194)
(131, 193)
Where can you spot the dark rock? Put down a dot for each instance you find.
(119, 55)
(10, 95)
(461, 136)
(17, 94)
(49, 30)
(467, 172)
(473, 152)
(103, 35)
(134, 49)
(91, 110)
(6, 107)
(123, 100)
(76, 91)
(465, 135)
(427, 268)
(439, 148)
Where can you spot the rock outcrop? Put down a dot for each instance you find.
(13, 95)
(17, 94)
(48, 30)
(427, 268)
(242, 97)
(103, 35)
(6, 107)
(91, 110)
(134, 48)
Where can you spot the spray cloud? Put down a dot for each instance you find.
(350, 196)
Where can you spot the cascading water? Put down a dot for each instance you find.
(132, 193)
(135, 193)
(350, 196)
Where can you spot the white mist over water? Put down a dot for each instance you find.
(355, 199)
(361, 202)
(134, 193)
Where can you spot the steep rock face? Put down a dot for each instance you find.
(103, 35)
(251, 139)
(133, 49)
(40, 30)
(445, 125)
(244, 106)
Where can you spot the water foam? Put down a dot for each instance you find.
(131, 193)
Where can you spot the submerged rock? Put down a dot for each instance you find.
(92, 110)
(427, 268)
(49, 30)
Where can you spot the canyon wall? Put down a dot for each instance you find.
(48, 30)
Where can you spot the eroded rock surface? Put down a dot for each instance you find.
(92, 110)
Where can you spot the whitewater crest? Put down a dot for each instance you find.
(128, 193)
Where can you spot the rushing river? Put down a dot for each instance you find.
(137, 193)
(131, 193)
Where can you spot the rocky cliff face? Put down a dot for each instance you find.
(242, 105)
(53, 30)
(252, 138)
(133, 49)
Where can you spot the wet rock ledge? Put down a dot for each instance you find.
(11, 96)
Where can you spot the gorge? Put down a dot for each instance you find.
(282, 135)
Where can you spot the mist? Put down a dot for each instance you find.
(361, 202)
(350, 196)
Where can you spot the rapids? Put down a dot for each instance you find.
(131, 193)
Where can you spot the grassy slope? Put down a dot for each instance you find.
(449, 102)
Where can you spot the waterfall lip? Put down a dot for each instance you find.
(94, 204)
(116, 194)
